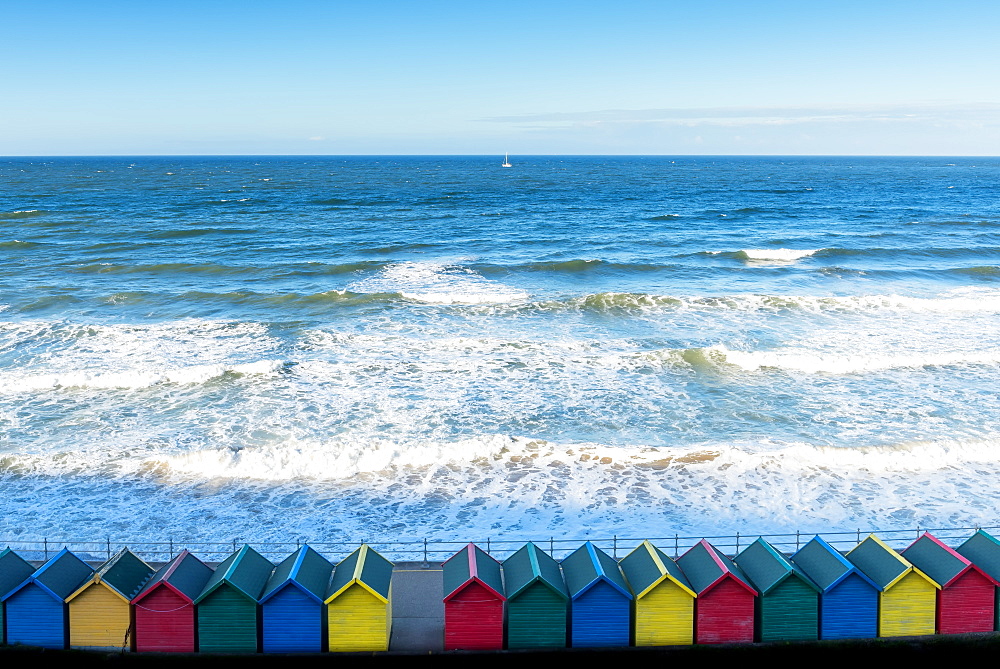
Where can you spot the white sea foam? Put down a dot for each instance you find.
(135, 378)
(437, 283)
(782, 255)
(838, 362)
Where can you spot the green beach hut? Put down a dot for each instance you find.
(788, 600)
(537, 600)
(227, 607)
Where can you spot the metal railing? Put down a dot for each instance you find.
(437, 550)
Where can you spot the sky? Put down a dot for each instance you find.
(393, 77)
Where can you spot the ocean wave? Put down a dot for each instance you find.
(21, 213)
(437, 283)
(780, 255)
(18, 244)
(135, 379)
(816, 362)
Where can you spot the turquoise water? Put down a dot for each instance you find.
(385, 347)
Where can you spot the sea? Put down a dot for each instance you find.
(380, 348)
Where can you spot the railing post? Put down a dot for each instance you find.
(487, 545)
(796, 541)
(425, 550)
(614, 553)
(677, 549)
(737, 543)
(859, 535)
(552, 547)
(109, 547)
(171, 550)
(46, 549)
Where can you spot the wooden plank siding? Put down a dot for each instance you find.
(908, 608)
(473, 619)
(227, 622)
(35, 618)
(849, 610)
(789, 612)
(99, 618)
(724, 614)
(967, 605)
(665, 616)
(164, 623)
(357, 620)
(536, 618)
(600, 617)
(293, 622)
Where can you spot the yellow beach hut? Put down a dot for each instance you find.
(908, 597)
(664, 600)
(359, 603)
(99, 615)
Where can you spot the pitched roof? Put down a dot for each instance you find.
(471, 564)
(124, 573)
(942, 563)
(647, 566)
(14, 570)
(825, 565)
(246, 570)
(530, 565)
(983, 549)
(364, 567)
(185, 574)
(59, 577)
(589, 565)
(306, 568)
(767, 568)
(705, 566)
(882, 564)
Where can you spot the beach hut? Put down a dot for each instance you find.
(983, 550)
(787, 601)
(724, 608)
(537, 600)
(13, 571)
(473, 601)
(600, 608)
(164, 608)
(664, 600)
(36, 613)
(292, 610)
(100, 614)
(907, 596)
(227, 607)
(965, 602)
(848, 601)
(359, 603)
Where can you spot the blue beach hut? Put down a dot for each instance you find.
(292, 611)
(37, 613)
(600, 610)
(848, 600)
(13, 571)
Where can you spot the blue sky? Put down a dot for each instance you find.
(393, 77)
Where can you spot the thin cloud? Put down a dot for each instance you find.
(986, 113)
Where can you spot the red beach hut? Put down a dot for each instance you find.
(473, 601)
(724, 608)
(966, 598)
(164, 608)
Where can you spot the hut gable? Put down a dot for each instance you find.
(647, 566)
(983, 550)
(186, 575)
(940, 562)
(884, 566)
(306, 570)
(587, 566)
(530, 565)
(363, 567)
(246, 571)
(124, 575)
(824, 564)
(14, 571)
(59, 577)
(472, 565)
(766, 568)
(706, 567)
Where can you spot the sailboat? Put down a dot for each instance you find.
(506, 161)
